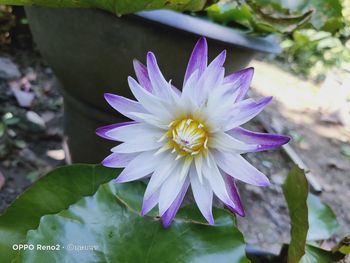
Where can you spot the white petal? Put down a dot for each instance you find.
(150, 119)
(170, 189)
(119, 160)
(210, 79)
(150, 102)
(160, 85)
(199, 164)
(237, 167)
(225, 142)
(143, 165)
(244, 111)
(188, 90)
(150, 202)
(217, 183)
(139, 144)
(203, 195)
(161, 173)
(130, 132)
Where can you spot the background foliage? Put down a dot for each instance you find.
(314, 34)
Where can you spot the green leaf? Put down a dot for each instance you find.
(231, 12)
(109, 223)
(322, 220)
(118, 7)
(51, 194)
(327, 14)
(2, 129)
(258, 16)
(317, 255)
(296, 190)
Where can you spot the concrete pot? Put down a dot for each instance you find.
(91, 52)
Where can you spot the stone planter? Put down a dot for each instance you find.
(91, 52)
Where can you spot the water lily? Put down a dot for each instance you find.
(190, 137)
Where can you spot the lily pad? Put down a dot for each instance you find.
(322, 220)
(107, 227)
(51, 194)
(317, 255)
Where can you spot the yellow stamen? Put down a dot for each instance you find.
(187, 137)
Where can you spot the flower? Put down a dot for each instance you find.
(189, 137)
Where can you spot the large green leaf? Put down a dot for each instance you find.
(296, 190)
(322, 220)
(110, 221)
(317, 255)
(51, 194)
(116, 6)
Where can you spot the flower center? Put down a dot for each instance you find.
(188, 136)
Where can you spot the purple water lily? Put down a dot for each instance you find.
(190, 137)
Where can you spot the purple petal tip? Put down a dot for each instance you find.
(239, 210)
(108, 96)
(117, 180)
(265, 183)
(166, 223)
(142, 212)
(211, 221)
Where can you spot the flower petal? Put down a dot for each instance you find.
(150, 102)
(241, 80)
(216, 181)
(102, 131)
(150, 202)
(198, 60)
(161, 87)
(233, 193)
(210, 79)
(118, 160)
(169, 215)
(143, 165)
(142, 75)
(161, 173)
(225, 142)
(172, 186)
(263, 141)
(139, 144)
(124, 105)
(244, 111)
(203, 195)
(150, 119)
(237, 167)
(128, 133)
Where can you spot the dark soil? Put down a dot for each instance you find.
(24, 145)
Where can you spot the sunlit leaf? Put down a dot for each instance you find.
(322, 220)
(317, 255)
(295, 190)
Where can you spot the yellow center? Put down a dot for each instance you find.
(187, 137)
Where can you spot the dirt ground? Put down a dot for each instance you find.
(32, 150)
(321, 144)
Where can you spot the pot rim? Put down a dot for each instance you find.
(202, 27)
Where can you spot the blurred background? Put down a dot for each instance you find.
(309, 79)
